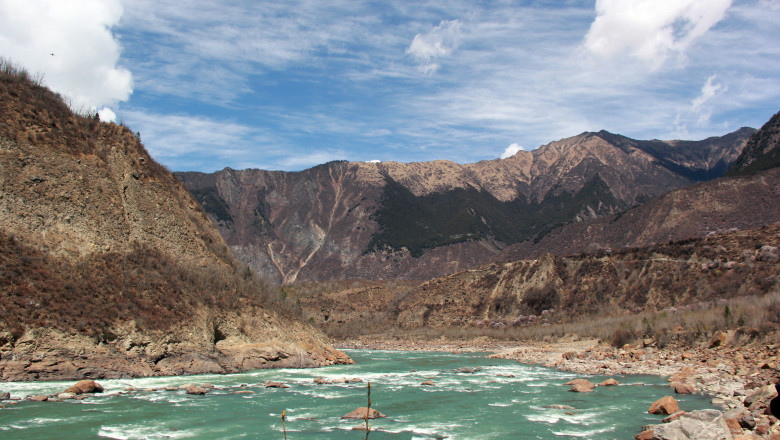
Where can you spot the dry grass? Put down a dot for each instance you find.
(753, 318)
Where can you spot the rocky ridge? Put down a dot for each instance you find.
(421, 220)
(111, 268)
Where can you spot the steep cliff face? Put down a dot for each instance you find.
(421, 220)
(111, 268)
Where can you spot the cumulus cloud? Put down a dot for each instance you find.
(107, 115)
(651, 30)
(511, 151)
(71, 44)
(440, 41)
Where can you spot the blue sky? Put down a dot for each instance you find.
(287, 85)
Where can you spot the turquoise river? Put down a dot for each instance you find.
(502, 400)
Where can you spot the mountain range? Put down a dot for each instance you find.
(354, 220)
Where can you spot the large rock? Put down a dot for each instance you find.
(360, 413)
(666, 405)
(696, 425)
(85, 387)
(683, 388)
(195, 390)
(5, 396)
(609, 383)
(760, 397)
(645, 435)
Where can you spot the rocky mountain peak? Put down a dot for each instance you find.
(424, 219)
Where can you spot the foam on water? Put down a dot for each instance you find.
(499, 399)
(132, 432)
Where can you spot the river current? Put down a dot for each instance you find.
(500, 399)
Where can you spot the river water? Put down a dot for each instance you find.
(502, 400)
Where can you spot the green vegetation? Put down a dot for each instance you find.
(460, 215)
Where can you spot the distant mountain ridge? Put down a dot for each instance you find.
(762, 151)
(422, 220)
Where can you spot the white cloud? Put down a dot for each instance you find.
(511, 151)
(71, 44)
(710, 90)
(439, 42)
(107, 115)
(651, 30)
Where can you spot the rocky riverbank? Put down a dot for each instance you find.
(738, 376)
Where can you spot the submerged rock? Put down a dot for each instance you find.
(273, 384)
(558, 406)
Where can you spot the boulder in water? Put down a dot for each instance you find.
(666, 405)
(85, 387)
(273, 384)
(5, 396)
(195, 390)
(581, 385)
(360, 413)
(683, 388)
(609, 383)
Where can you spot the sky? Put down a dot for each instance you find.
(286, 85)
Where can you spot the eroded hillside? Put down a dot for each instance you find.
(109, 266)
(557, 289)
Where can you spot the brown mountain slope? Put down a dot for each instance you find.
(762, 150)
(748, 198)
(557, 289)
(696, 211)
(110, 268)
(421, 220)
